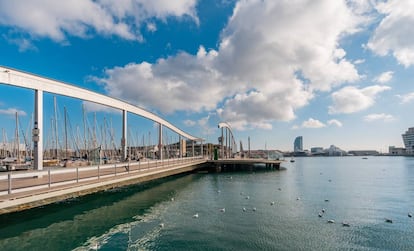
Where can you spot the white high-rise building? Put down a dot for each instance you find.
(408, 138)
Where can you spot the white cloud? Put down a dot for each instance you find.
(256, 75)
(190, 123)
(378, 116)
(359, 61)
(151, 27)
(350, 99)
(12, 112)
(407, 98)
(312, 123)
(57, 19)
(384, 77)
(335, 122)
(394, 33)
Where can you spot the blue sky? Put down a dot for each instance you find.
(334, 72)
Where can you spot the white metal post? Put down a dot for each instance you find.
(160, 141)
(37, 133)
(124, 135)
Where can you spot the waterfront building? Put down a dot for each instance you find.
(298, 147)
(408, 138)
(298, 144)
(363, 152)
(392, 150)
(336, 151)
(317, 151)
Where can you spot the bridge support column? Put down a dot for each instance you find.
(201, 146)
(227, 147)
(222, 143)
(193, 148)
(124, 135)
(37, 132)
(180, 145)
(160, 141)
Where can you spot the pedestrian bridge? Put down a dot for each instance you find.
(43, 185)
(39, 85)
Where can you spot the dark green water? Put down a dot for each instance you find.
(362, 192)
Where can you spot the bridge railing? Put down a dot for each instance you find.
(20, 182)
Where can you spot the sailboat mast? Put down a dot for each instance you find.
(84, 128)
(17, 138)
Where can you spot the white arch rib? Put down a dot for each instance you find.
(18, 78)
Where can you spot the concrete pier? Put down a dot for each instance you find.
(242, 164)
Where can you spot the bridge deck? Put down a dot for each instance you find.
(33, 189)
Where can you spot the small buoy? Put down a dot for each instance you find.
(161, 225)
(388, 220)
(254, 209)
(323, 210)
(320, 214)
(247, 197)
(244, 209)
(410, 215)
(298, 198)
(195, 216)
(272, 203)
(331, 221)
(345, 224)
(326, 200)
(223, 210)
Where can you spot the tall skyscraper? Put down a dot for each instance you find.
(408, 138)
(298, 144)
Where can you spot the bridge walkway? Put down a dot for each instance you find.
(28, 189)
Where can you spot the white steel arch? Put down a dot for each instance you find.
(232, 144)
(39, 84)
(18, 78)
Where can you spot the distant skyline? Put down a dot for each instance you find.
(335, 72)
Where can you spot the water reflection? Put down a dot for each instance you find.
(68, 224)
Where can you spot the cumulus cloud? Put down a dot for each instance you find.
(203, 124)
(57, 19)
(406, 98)
(350, 99)
(384, 77)
(12, 112)
(189, 122)
(312, 123)
(394, 33)
(359, 61)
(263, 69)
(378, 116)
(335, 122)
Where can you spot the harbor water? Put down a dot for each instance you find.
(257, 210)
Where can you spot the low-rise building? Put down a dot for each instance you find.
(363, 152)
(392, 150)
